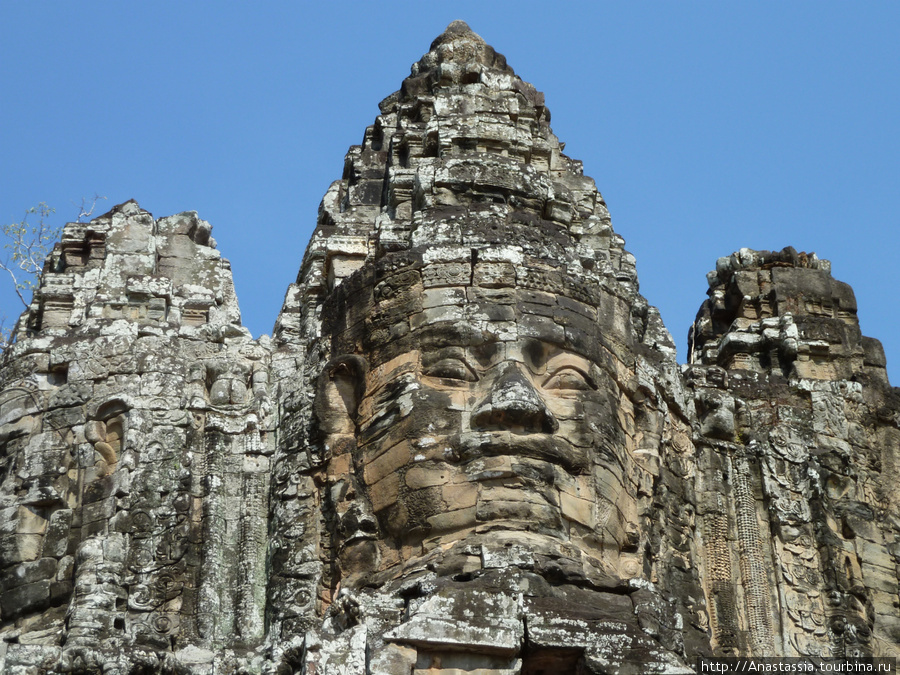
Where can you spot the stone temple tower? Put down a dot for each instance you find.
(467, 447)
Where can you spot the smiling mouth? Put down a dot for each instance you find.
(544, 447)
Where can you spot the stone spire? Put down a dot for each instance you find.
(459, 43)
(463, 155)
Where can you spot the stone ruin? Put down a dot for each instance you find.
(467, 448)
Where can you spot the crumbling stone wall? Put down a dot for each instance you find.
(468, 446)
(135, 430)
(798, 437)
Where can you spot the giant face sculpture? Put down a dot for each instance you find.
(478, 318)
(483, 410)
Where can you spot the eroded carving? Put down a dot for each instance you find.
(468, 445)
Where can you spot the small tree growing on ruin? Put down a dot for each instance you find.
(28, 243)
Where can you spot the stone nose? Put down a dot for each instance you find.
(514, 404)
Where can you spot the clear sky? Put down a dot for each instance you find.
(708, 126)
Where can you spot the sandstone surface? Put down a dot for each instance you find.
(468, 446)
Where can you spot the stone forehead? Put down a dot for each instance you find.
(473, 270)
(567, 273)
(392, 305)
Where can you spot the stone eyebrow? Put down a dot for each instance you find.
(433, 353)
(449, 335)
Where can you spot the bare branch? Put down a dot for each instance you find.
(28, 244)
(84, 212)
(17, 286)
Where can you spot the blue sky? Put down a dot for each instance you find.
(708, 126)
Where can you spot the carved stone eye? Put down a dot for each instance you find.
(569, 379)
(451, 369)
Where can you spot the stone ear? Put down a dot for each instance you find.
(341, 387)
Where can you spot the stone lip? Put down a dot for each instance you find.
(544, 447)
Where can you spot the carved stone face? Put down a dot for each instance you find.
(495, 414)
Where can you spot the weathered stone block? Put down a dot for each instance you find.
(98, 511)
(27, 573)
(460, 496)
(454, 520)
(421, 477)
(17, 548)
(393, 659)
(387, 463)
(579, 510)
(494, 275)
(446, 274)
(56, 540)
(385, 492)
(436, 297)
(26, 598)
(29, 521)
